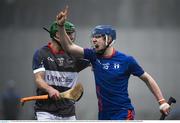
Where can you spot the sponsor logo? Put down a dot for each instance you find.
(59, 79)
(69, 61)
(50, 59)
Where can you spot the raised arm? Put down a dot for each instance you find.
(65, 41)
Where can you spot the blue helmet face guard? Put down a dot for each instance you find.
(104, 30)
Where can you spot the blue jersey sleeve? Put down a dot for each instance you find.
(134, 67)
(89, 54)
(37, 63)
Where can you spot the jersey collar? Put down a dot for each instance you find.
(54, 51)
(110, 56)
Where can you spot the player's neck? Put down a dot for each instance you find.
(56, 47)
(109, 52)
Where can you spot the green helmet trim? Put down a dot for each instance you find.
(69, 27)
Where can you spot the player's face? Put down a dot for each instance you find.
(99, 42)
(70, 34)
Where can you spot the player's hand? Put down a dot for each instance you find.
(53, 93)
(62, 16)
(164, 108)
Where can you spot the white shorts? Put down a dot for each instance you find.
(42, 116)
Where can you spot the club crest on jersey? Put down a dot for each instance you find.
(116, 66)
(60, 61)
(106, 66)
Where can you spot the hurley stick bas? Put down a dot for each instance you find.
(74, 94)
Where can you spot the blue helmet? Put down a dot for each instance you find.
(104, 30)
